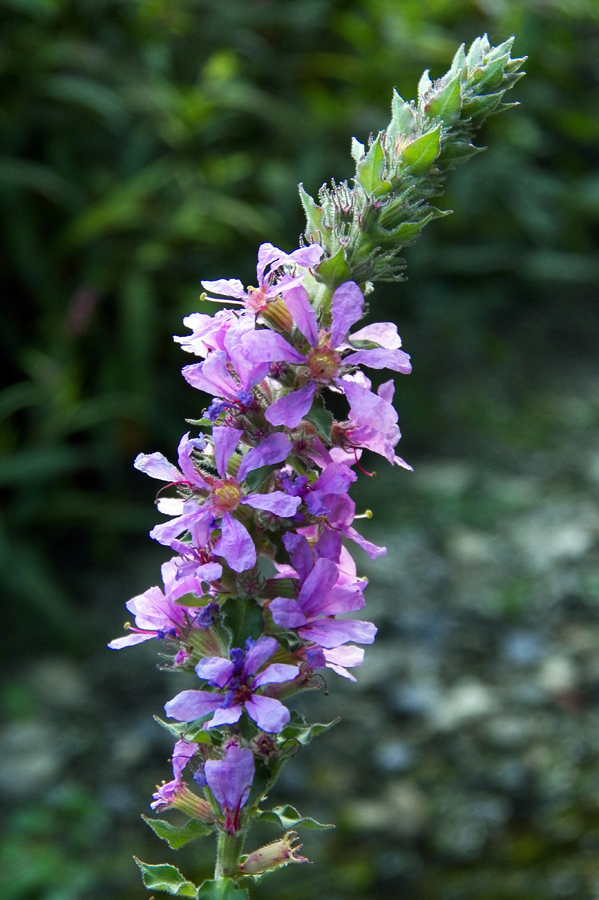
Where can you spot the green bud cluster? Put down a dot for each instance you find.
(363, 227)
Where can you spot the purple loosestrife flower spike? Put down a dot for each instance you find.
(262, 588)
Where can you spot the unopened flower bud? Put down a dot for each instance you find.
(273, 856)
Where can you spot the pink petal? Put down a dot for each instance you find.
(225, 442)
(331, 633)
(215, 670)
(277, 502)
(157, 466)
(275, 448)
(269, 714)
(304, 314)
(348, 302)
(268, 346)
(396, 360)
(258, 653)
(190, 705)
(291, 409)
(287, 613)
(236, 545)
(226, 716)
(226, 287)
(382, 333)
(276, 674)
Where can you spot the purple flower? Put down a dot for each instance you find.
(218, 498)
(238, 683)
(323, 362)
(337, 659)
(156, 616)
(373, 420)
(230, 780)
(270, 260)
(320, 598)
(166, 794)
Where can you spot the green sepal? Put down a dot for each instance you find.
(221, 889)
(369, 171)
(204, 423)
(459, 65)
(421, 153)
(321, 418)
(255, 478)
(288, 817)
(456, 152)
(178, 837)
(474, 107)
(166, 878)
(298, 730)
(314, 218)
(333, 271)
(244, 619)
(446, 105)
(490, 75)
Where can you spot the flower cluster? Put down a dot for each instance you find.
(257, 511)
(261, 590)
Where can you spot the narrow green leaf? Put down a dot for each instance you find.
(178, 837)
(303, 733)
(255, 478)
(458, 66)
(490, 75)
(165, 878)
(446, 104)
(193, 600)
(221, 889)
(288, 817)
(370, 170)
(244, 619)
(421, 153)
(334, 270)
(321, 418)
(456, 152)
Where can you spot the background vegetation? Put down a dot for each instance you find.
(146, 144)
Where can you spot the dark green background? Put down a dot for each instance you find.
(148, 144)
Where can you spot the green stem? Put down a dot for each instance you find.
(228, 853)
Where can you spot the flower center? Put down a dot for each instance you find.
(323, 363)
(256, 298)
(227, 495)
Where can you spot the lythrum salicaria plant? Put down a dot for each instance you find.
(257, 510)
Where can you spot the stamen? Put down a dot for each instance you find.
(367, 514)
(361, 468)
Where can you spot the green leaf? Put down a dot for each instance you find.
(321, 418)
(288, 817)
(244, 619)
(403, 119)
(166, 878)
(221, 889)
(458, 66)
(302, 733)
(421, 153)
(334, 270)
(255, 478)
(177, 837)
(369, 171)
(446, 104)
